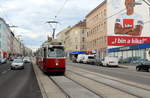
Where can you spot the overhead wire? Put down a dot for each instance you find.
(61, 9)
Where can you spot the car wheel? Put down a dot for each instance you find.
(107, 65)
(149, 69)
(138, 69)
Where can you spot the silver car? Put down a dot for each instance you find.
(17, 64)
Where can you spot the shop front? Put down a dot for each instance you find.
(140, 50)
(74, 54)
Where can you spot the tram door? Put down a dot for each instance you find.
(44, 56)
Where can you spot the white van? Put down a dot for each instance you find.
(89, 59)
(80, 58)
(110, 61)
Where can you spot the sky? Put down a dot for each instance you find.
(30, 17)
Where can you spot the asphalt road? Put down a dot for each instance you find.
(18, 83)
(122, 73)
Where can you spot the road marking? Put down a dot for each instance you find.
(9, 69)
(4, 72)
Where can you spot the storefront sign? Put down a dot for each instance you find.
(126, 40)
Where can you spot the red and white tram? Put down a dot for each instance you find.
(51, 57)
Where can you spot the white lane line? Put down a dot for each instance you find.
(4, 72)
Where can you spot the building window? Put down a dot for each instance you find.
(83, 31)
(83, 39)
(104, 12)
(82, 46)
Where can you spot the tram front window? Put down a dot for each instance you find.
(56, 52)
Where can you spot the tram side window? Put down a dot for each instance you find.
(45, 54)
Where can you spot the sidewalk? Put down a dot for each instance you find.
(48, 88)
(128, 66)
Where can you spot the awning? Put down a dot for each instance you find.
(78, 52)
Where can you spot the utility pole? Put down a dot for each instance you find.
(53, 25)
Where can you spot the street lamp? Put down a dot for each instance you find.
(53, 25)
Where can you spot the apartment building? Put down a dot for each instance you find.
(6, 36)
(107, 32)
(9, 44)
(61, 35)
(97, 29)
(74, 37)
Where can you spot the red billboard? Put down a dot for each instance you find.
(126, 40)
(127, 22)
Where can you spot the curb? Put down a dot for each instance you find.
(43, 92)
(47, 87)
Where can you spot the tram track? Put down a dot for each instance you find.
(63, 91)
(73, 89)
(123, 87)
(122, 80)
(81, 83)
(106, 85)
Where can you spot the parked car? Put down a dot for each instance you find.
(17, 64)
(11, 58)
(143, 66)
(74, 59)
(98, 61)
(110, 61)
(90, 59)
(3, 60)
(26, 60)
(80, 58)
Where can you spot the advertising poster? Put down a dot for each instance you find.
(128, 22)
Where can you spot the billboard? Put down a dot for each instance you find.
(128, 22)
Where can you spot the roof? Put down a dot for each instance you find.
(97, 8)
(7, 26)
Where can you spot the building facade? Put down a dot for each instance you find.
(61, 35)
(128, 28)
(74, 37)
(114, 25)
(97, 29)
(6, 36)
(9, 44)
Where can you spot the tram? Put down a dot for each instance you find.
(51, 57)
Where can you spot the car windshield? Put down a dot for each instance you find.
(56, 52)
(146, 62)
(91, 57)
(26, 58)
(17, 61)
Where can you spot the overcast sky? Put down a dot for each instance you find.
(31, 15)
